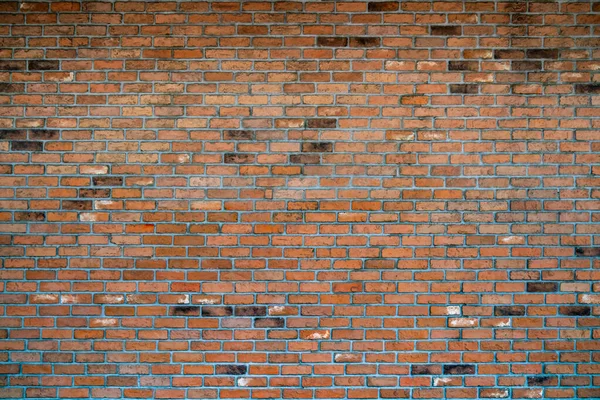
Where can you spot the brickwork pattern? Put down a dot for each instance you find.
(300, 199)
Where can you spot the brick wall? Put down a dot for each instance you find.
(302, 199)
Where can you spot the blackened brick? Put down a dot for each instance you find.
(535, 287)
(542, 53)
(13, 134)
(250, 311)
(322, 123)
(30, 216)
(463, 66)
(575, 311)
(27, 146)
(232, 369)
(94, 193)
(44, 134)
(464, 88)
(359, 41)
(237, 158)
(77, 204)
(593, 88)
(12, 87)
(382, 6)
(332, 41)
(187, 311)
(12, 65)
(509, 310)
(305, 159)
(508, 54)
(107, 180)
(542, 380)
(425, 369)
(446, 30)
(217, 311)
(526, 65)
(459, 369)
(317, 147)
(238, 135)
(269, 322)
(587, 251)
(43, 65)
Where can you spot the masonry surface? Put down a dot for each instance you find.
(302, 199)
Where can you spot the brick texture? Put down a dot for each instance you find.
(300, 199)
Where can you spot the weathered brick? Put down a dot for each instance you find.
(299, 199)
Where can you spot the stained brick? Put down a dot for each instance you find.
(299, 199)
(542, 286)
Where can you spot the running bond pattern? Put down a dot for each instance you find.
(301, 199)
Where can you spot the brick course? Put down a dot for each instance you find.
(300, 199)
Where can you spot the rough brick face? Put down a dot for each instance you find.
(300, 199)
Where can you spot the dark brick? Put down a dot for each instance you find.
(94, 193)
(508, 54)
(43, 65)
(464, 88)
(186, 311)
(332, 41)
(13, 134)
(238, 135)
(250, 311)
(542, 380)
(361, 41)
(526, 65)
(44, 134)
(232, 369)
(587, 251)
(77, 205)
(305, 159)
(269, 323)
(575, 311)
(463, 66)
(535, 287)
(27, 146)
(317, 147)
(425, 369)
(502, 311)
(380, 6)
(12, 65)
(12, 88)
(107, 181)
(459, 369)
(30, 216)
(238, 158)
(217, 311)
(542, 53)
(322, 123)
(446, 30)
(587, 88)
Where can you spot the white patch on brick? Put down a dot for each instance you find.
(243, 382)
(204, 300)
(510, 240)
(343, 357)
(462, 322)
(440, 381)
(534, 393)
(183, 158)
(184, 300)
(453, 310)
(276, 310)
(106, 321)
(87, 217)
(503, 323)
(49, 297)
(68, 299)
(318, 335)
(500, 394)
